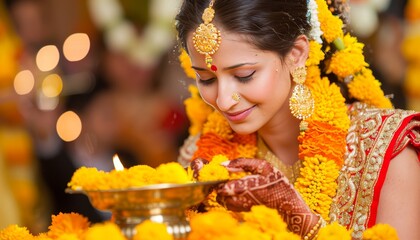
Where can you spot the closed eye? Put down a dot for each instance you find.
(245, 78)
(206, 82)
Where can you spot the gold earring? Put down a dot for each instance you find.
(236, 97)
(206, 37)
(301, 102)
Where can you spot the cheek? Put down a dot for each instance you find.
(209, 94)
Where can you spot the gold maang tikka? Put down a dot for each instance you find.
(301, 102)
(206, 37)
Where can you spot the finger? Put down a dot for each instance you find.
(238, 186)
(253, 165)
(235, 203)
(196, 166)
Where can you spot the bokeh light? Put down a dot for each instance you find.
(76, 47)
(69, 126)
(52, 85)
(24, 82)
(47, 58)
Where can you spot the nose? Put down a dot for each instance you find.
(224, 100)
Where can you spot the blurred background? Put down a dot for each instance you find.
(83, 80)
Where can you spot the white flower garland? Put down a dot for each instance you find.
(315, 33)
(120, 34)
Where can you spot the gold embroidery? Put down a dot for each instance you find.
(403, 139)
(292, 172)
(368, 139)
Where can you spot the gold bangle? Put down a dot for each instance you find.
(312, 234)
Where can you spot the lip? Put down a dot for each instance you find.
(239, 116)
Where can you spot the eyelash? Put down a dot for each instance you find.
(240, 79)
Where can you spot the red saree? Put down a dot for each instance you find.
(375, 137)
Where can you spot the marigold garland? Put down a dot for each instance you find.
(321, 159)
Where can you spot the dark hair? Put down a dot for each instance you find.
(269, 25)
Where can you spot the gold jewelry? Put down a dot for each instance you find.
(236, 97)
(315, 229)
(206, 37)
(301, 102)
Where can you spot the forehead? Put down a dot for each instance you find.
(233, 48)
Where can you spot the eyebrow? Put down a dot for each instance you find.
(227, 68)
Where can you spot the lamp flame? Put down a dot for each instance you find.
(117, 163)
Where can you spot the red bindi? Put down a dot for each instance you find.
(213, 68)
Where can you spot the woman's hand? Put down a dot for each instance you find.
(266, 186)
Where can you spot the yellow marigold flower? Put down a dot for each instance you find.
(316, 55)
(313, 75)
(265, 219)
(246, 151)
(197, 110)
(14, 232)
(410, 48)
(141, 175)
(68, 223)
(41, 236)
(330, 104)
(367, 89)
(210, 225)
(348, 61)
(213, 172)
(331, 25)
(88, 179)
(412, 81)
(380, 232)
(118, 179)
(211, 203)
(246, 231)
(106, 230)
(286, 236)
(334, 231)
(68, 236)
(317, 183)
(219, 125)
(186, 64)
(172, 172)
(218, 159)
(148, 230)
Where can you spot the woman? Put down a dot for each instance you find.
(251, 59)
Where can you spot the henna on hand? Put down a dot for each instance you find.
(266, 186)
(196, 166)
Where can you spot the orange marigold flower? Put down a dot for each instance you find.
(14, 232)
(68, 223)
(213, 172)
(325, 140)
(210, 145)
(247, 139)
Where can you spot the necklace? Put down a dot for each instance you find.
(292, 172)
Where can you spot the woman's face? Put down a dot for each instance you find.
(259, 77)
